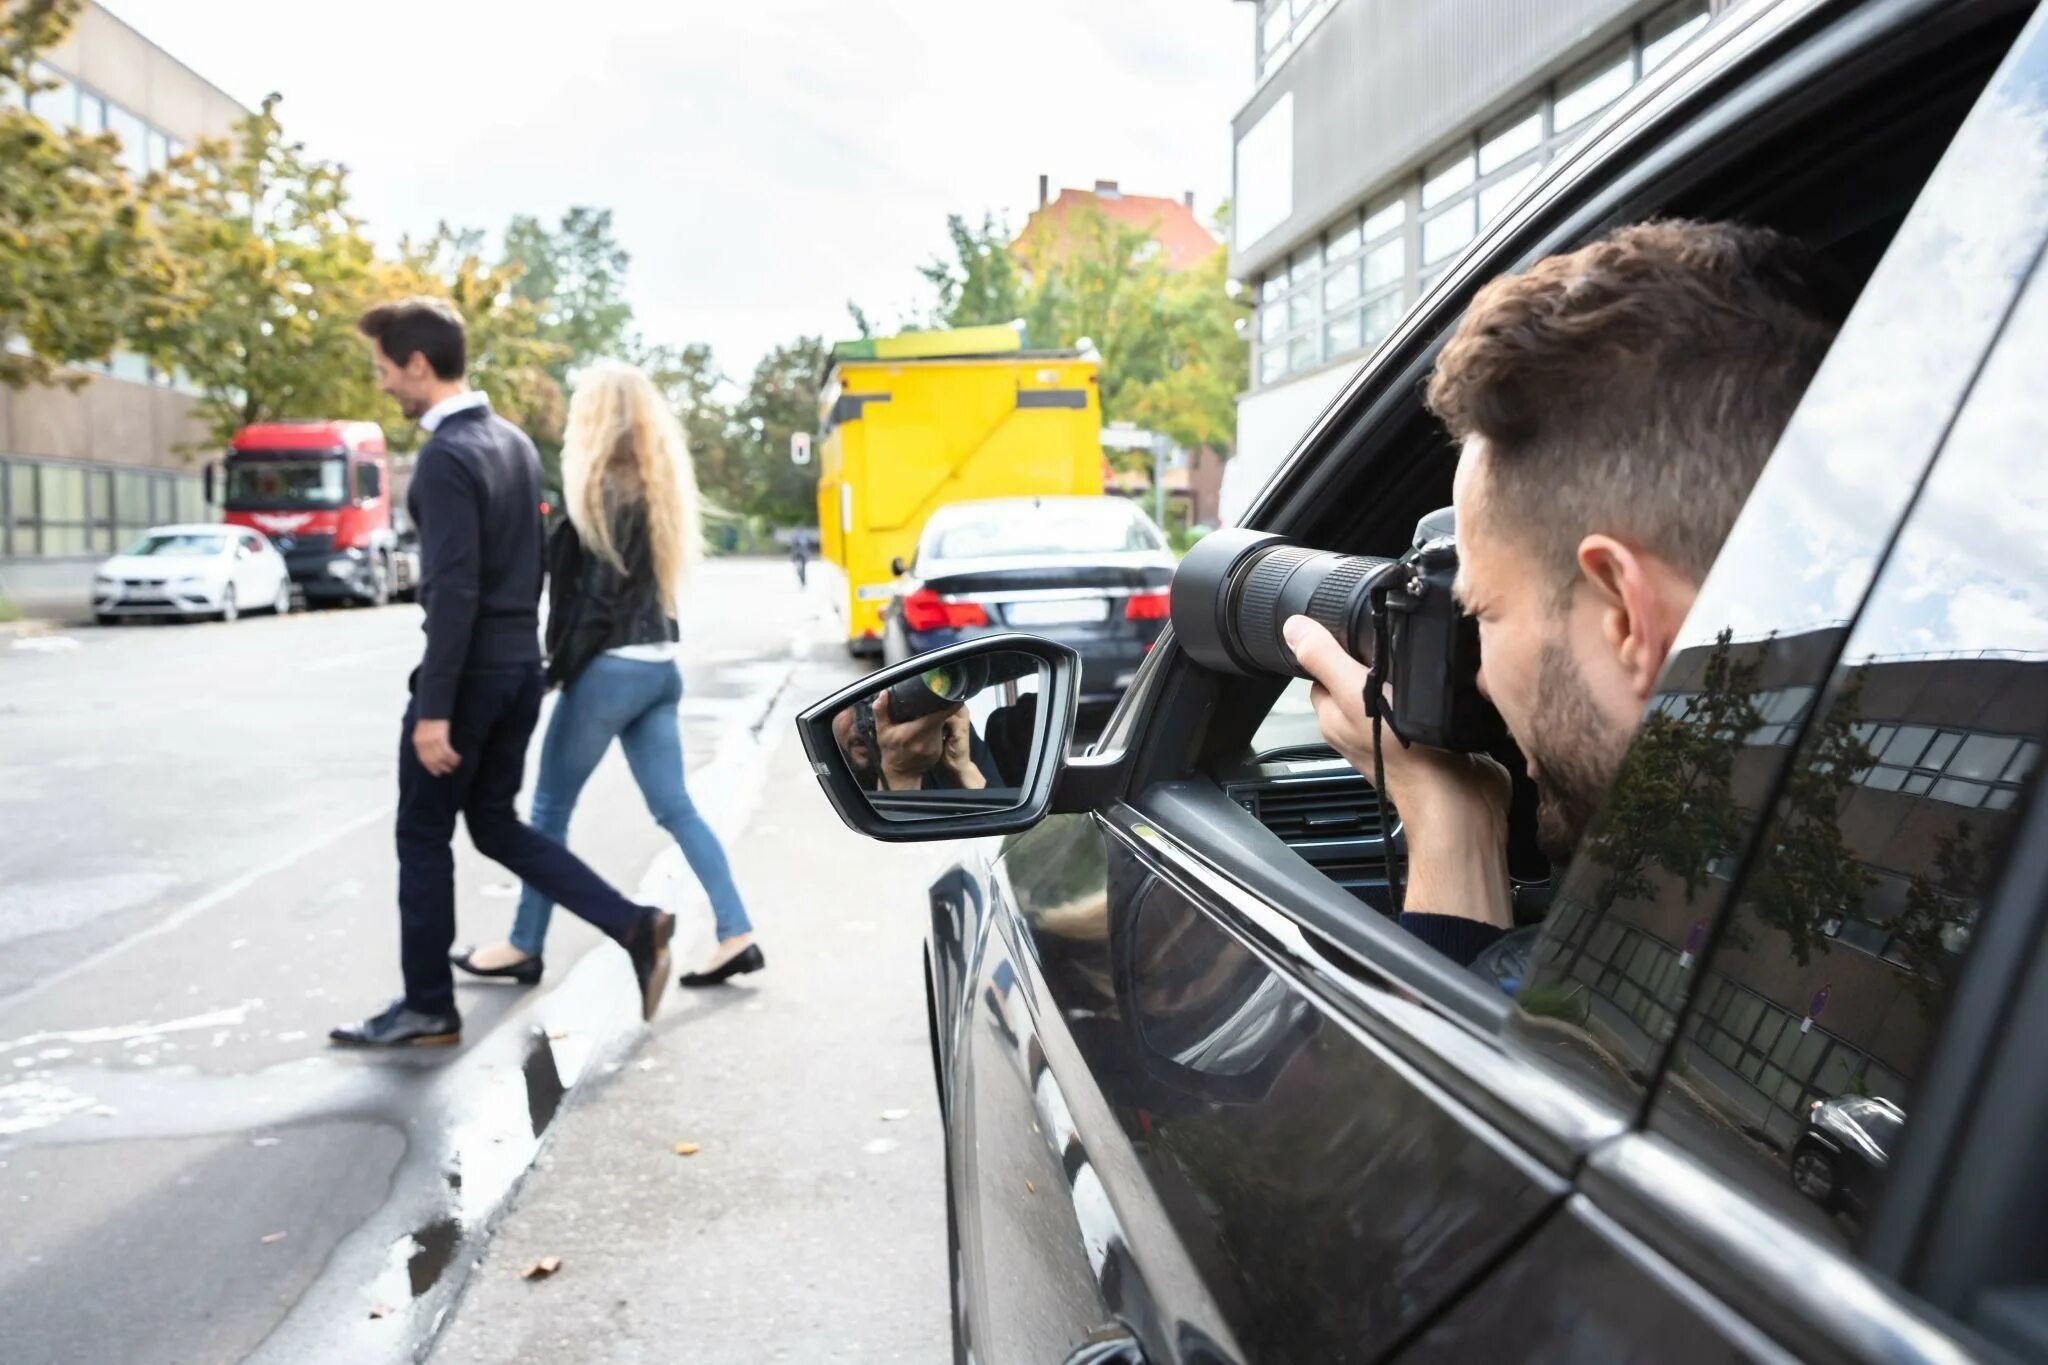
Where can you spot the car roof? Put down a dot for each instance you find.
(194, 528)
(1053, 500)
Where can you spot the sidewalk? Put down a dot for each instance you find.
(810, 1224)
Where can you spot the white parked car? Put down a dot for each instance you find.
(193, 571)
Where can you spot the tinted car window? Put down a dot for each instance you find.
(1619, 957)
(1023, 530)
(1820, 1003)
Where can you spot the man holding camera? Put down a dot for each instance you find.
(1612, 408)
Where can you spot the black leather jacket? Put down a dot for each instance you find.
(592, 607)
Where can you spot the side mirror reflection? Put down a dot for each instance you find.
(960, 742)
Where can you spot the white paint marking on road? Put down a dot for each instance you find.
(121, 1033)
(220, 895)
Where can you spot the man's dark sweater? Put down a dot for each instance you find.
(475, 497)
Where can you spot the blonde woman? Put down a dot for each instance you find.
(631, 539)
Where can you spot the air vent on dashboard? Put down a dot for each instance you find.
(1316, 808)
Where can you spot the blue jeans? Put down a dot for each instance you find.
(635, 701)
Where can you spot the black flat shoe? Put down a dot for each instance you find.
(526, 971)
(401, 1026)
(648, 947)
(747, 959)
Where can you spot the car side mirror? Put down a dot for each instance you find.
(957, 743)
(898, 567)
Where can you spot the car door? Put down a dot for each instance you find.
(1858, 944)
(1186, 1125)
(249, 573)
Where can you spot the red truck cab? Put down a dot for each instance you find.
(322, 491)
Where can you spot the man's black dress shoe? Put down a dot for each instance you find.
(526, 971)
(747, 959)
(402, 1026)
(648, 947)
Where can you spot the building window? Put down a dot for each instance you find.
(57, 105)
(1447, 178)
(1282, 26)
(1508, 143)
(1451, 197)
(61, 499)
(1593, 87)
(1448, 232)
(20, 491)
(1670, 31)
(1960, 767)
(50, 509)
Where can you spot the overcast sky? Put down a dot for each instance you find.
(766, 160)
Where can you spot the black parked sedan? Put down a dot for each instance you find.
(1204, 1102)
(1089, 572)
(1839, 1162)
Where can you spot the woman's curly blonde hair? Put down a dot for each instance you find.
(623, 445)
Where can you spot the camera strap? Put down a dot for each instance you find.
(1376, 708)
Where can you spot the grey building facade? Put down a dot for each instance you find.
(82, 471)
(1381, 135)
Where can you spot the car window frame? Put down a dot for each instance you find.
(1885, 1298)
(1187, 731)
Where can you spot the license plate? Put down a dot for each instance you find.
(1073, 611)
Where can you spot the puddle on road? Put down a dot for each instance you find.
(544, 1088)
(433, 1251)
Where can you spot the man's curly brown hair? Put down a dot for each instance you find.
(1635, 386)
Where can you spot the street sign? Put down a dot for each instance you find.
(799, 447)
(1694, 941)
(1819, 1003)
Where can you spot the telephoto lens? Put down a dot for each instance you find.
(936, 689)
(1236, 588)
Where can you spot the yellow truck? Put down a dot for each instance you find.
(913, 422)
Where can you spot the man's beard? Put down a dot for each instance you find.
(1576, 754)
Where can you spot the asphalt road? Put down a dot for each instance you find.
(196, 882)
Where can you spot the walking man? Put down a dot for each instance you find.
(475, 498)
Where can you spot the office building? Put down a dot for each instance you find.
(1379, 138)
(83, 470)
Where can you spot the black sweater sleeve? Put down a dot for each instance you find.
(448, 509)
(1457, 938)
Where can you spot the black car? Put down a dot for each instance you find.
(1203, 1101)
(1839, 1162)
(1089, 572)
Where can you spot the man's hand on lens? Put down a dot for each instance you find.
(910, 749)
(1453, 807)
(436, 754)
(959, 755)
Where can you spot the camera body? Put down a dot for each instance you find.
(1236, 588)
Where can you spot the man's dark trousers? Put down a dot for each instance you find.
(495, 712)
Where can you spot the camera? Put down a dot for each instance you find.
(936, 689)
(1237, 587)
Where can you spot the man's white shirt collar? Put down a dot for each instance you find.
(432, 418)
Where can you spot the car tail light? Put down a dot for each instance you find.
(1147, 606)
(923, 610)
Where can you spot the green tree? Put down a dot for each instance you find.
(781, 398)
(1809, 875)
(83, 266)
(510, 357)
(574, 277)
(980, 283)
(1672, 807)
(276, 269)
(689, 377)
(1941, 910)
(1171, 342)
